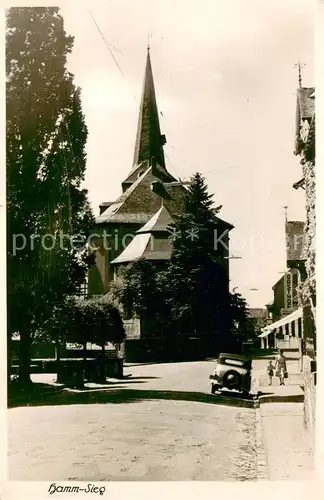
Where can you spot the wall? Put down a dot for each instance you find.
(279, 297)
(309, 287)
(310, 396)
(102, 272)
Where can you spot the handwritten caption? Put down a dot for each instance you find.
(90, 488)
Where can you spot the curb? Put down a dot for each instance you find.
(261, 455)
(293, 398)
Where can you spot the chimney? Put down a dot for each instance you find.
(103, 206)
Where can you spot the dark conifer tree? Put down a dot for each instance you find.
(196, 278)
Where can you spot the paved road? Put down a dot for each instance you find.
(151, 440)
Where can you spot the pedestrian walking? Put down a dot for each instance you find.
(270, 370)
(281, 367)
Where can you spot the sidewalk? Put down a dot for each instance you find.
(292, 391)
(287, 445)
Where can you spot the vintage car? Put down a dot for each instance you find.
(232, 371)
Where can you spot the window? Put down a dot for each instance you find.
(293, 330)
(83, 289)
(234, 362)
(300, 328)
(287, 329)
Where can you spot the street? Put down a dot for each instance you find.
(137, 440)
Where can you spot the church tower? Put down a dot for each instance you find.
(137, 204)
(149, 140)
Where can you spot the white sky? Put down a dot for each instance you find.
(226, 85)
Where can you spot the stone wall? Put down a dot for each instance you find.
(309, 296)
(310, 227)
(310, 396)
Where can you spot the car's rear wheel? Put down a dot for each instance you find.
(232, 380)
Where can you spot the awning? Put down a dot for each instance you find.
(282, 322)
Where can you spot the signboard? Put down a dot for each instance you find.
(288, 291)
(294, 288)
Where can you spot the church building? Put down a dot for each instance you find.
(136, 224)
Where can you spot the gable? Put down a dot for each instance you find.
(138, 203)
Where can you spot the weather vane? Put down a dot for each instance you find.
(299, 65)
(286, 212)
(148, 40)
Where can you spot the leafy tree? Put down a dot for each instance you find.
(45, 141)
(196, 280)
(94, 321)
(108, 323)
(242, 325)
(140, 293)
(80, 321)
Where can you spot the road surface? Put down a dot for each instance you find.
(137, 440)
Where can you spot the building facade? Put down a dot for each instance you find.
(285, 326)
(305, 149)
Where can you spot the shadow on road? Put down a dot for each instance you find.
(144, 378)
(42, 396)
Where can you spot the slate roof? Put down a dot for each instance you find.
(151, 242)
(295, 241)
(145, 246)
(306, 103)
(159, 222)
(149, 140)
(135, 173)
(138, 203)
(278, 281)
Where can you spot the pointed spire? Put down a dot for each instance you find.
(149, 141)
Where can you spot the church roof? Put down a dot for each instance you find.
(151, 242)
(138, 203)
(146, 246)
(135, 173)
(158, 223)
(149, 141)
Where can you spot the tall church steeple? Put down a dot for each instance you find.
(149, 141)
